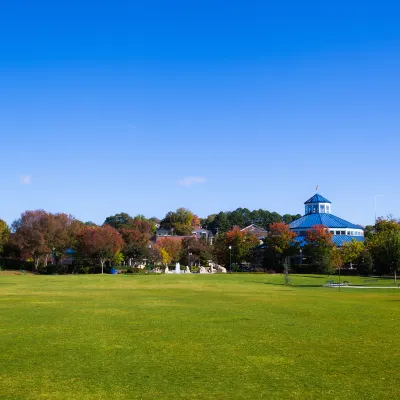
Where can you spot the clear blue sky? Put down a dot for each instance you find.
(144, 107)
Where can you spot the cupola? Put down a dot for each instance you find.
(317, 205)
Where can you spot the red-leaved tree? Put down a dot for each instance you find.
(99, 243)
(321, 248)
(320, 236)
(39, 234)
(280, 239)
(172, 246)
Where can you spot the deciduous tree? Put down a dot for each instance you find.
(40, 234)
(280, 242)
(165, 257)
(200, 250)
(280, 238)
(4, 234)
(171, 246)
(352, 250)
(365, 263)
(118, 258)
(119, 221)
(99, 243)
(242, 244)
(320, 236)
(335, 260)
(196, 221)
(319, 247)
(135, 243)
(181, 221)
(384, 245)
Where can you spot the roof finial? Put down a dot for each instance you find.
(317, 188)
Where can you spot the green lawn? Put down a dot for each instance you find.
(196, 337)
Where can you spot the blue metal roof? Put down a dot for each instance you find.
(317, 198)
(338, 240)
(328, 220)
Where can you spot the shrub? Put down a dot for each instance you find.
(84, 270)
(364, 263)
(50, 269)
(16, 264)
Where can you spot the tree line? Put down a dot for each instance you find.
(242, 217)
(379, 253)
(183, 220)
(40, 238)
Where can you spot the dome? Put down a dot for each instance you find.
(318, 212)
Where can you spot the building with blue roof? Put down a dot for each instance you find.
(318, 211)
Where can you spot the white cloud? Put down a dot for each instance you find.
(26, 180)
(191, 180)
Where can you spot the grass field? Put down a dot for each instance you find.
(196, 337)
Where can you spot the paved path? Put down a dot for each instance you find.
(366, 287)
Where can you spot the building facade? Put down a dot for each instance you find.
(318, 211)
(258, 231)
(197, 233)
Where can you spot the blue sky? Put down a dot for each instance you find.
(144, 107)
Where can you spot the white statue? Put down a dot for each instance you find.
(167, 271)
(187, 270)
(177, 268)
(202, 270)
(221, 270)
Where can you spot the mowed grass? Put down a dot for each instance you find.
(196, 337)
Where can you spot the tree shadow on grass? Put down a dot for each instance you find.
(291, 285)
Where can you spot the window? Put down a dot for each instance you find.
(337, 232)
(333, 232)
(321, 208)
(327, 208)
(343, 233)
(315, 209)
